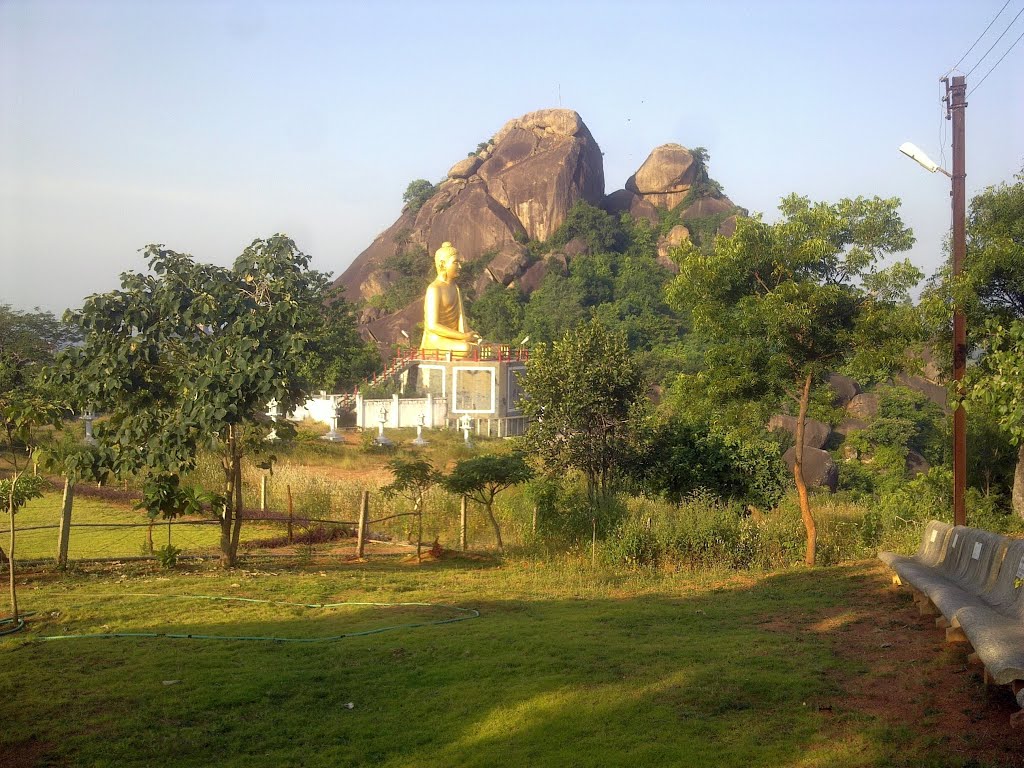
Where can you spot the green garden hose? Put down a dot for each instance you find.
(468, 613)
(18, 625)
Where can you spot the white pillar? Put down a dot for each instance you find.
(429, 422)
(395, 417)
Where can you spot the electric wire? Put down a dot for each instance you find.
(465, 615)
(979, 38)
(978, 62)
(1019, 37)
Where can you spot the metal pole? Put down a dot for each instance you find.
(956, 108)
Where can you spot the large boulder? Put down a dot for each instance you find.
(863, 406)
(934, 392)
(666, 176)
(844, 387)
(916, 464)
(668, 243)
(728, 227)
(816, 433)
(623, 201)
(707, 206)
(541, 165)
(820, 471)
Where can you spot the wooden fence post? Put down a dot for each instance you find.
(291, 514)
(65, 523)
(263, 493)
(462, 524)
(364, 513)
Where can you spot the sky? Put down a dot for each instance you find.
(204, 125)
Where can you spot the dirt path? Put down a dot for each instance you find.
(908, 677)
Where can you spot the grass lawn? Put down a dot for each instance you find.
(565, 666)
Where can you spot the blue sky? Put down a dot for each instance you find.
(203, 125)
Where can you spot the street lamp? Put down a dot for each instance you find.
(918, 156)
(956, 104)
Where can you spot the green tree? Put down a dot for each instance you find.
(411, 480)
(581, 392)
(417, 193)
(337, 358)
(23, 408)
(991, 292)
(781, 305)
(1001, 387)
(482, 478)
(189, 356)
(554, 309)
(497, 314)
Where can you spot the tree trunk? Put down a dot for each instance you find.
(229, 506)
(64, 537)
(236, 531)
(463, 523)
(1018, 484)
(494, 524)
(798, 476)
(10, 549)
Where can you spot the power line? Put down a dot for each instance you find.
(979, 37)
(1019, 38)
(995, 43)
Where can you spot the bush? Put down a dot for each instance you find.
(704, 532)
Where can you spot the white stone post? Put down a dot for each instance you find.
(396, 415)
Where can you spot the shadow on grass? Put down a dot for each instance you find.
(742, 673)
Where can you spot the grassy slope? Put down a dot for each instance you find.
(565, 667)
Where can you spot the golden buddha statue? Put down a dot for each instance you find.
(444, 322)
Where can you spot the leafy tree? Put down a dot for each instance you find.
(581, 392)
(337, 358)
(553, 310)
(22, 409)
(30, 339)
(189, 356)
(417, 193)
(783, 304)
(990, 290)
(411, 480)
(481, 478)
(675, 458)
(598, 228)
(497, 314)
(1001, 386)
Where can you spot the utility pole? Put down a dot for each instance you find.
(956, 104)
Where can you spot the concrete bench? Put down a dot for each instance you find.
(973, 580)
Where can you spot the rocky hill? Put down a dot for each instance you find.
(519, 188)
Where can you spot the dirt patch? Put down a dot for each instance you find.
(29, 754)
(904, 674)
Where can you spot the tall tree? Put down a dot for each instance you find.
(781, 305)
(991, 292)
(189, 356)
(581, 392)
(1000, 385)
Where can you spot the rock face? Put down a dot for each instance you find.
(624, 201)
(521, 186)
(863, 406)
(819, 469)
(669, 241)
(844, 387)
(541, 164)
(816, 433)
(665, 177)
